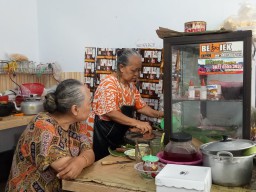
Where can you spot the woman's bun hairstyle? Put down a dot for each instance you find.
(67, 94)
(50, 103)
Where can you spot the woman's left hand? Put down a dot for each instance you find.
(71, 169)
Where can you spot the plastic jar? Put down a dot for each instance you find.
(155, 146)
(180, 148)
(141, 150)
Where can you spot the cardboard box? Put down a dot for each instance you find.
(184, 178)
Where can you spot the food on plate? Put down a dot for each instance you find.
(130, 153)
(121, 149)
(148, 136)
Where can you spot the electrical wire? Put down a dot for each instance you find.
(15, 82)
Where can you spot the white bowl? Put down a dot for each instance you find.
(148, 174)
(130, 153)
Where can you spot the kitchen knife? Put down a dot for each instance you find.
(114, 162)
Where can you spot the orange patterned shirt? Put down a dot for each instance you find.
(112, 95)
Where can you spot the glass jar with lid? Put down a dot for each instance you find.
(150, 163)
(180, 148)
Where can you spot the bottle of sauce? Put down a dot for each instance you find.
(191, 90)
(203, 91)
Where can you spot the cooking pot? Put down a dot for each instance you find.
(30, 106)
(228, 166)
(11, 94)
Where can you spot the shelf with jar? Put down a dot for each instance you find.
(105, 63)
(105, 60)
(25, 67)
(150, 84)
(89, 68)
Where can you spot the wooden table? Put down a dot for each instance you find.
(14, 121)
(110, 178)
(123, 178)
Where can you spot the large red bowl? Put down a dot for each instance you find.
(160, 155)
(32, 88)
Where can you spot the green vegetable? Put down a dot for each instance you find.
(115, 153)
(129, 146)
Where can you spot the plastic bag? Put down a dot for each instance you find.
(244, 20)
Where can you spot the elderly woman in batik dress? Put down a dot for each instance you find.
(55, 145)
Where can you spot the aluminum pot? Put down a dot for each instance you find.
(228, 166)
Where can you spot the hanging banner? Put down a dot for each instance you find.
(221, 58)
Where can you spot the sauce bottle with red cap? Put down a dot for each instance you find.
(191, 90)
(203, 91)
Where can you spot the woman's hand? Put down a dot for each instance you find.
(72, 168)
(60, 163)
(144, 127)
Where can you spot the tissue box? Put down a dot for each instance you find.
(183, 178)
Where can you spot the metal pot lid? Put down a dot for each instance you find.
(227, 145)
(181, 137)
(32, 99)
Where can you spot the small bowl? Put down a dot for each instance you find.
(130, 153)
(148, 174)
(160, 155)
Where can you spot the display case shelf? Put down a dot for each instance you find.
(217, 60)
(149, 80)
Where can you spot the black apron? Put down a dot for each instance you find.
(109, 133)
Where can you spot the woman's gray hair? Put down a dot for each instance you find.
(67, 94)
(124, 57)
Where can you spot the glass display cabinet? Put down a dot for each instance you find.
(207, 85)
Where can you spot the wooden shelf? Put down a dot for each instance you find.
(26, 73)
(149, 96)
(151, 64)
(149, 80)
(88, 75)
(90, 60)
(106, 57)
(103, 72)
